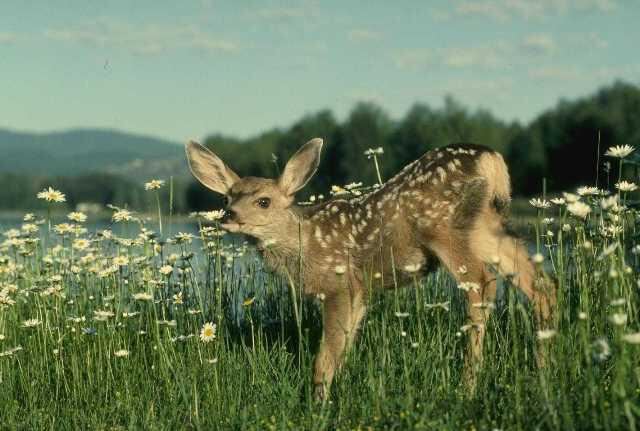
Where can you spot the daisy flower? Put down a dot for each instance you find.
(51, 195)
(620, 151)
(208, 332)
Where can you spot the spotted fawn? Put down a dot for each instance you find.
(447, 207)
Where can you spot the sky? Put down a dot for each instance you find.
(180, 70)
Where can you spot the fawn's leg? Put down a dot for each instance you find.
(342, 314)
(457, 257)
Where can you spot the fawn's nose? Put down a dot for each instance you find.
(228, 216)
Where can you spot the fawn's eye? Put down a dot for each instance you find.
(226, 201)
(263, 203)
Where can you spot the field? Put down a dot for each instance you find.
(128, 328)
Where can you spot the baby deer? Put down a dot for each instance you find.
(448, 206)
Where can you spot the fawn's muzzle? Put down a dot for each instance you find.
(229, 216)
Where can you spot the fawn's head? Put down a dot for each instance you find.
(259, 207)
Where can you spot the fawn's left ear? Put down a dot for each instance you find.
(301, 167)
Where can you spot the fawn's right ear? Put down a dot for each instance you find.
(209, 169)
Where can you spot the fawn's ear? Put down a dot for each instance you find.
(301, 167)
(209, 169)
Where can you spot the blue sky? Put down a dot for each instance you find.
(187, 69)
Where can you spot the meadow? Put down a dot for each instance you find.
(137, 326)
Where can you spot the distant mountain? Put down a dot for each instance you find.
(81, 151)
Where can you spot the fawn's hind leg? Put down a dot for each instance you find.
(343, 311)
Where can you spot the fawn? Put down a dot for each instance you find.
(448, 206)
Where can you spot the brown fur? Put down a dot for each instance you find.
(449, 205)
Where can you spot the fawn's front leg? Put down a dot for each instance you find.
(342, 314)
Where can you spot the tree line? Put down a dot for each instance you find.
(565, 145)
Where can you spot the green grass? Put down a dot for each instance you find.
(403, 372)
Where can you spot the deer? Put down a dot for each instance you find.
(448, 207)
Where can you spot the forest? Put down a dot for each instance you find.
(564, 145)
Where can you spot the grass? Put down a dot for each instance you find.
(80, 350)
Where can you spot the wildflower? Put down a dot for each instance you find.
(373, 151)
(547, 220)
(166, 269)
(29, 228)
(539, 203)
(537, 258)
(11, 351)
(130, 314)
(63, 228)
(51, 195)
(212, 361)
(443, 305)
(208, 332)
(566, 227)
(633, 338)
(121, 215)
(182, 237)
(120, 260)
(619, 151)
(601, 349)
(588, 191)
(102, 315)
(153, 185)
(570, 197)
(77, 217)
(401, 315)
(81, 244)
(558, 201)
(413, 268)
(31, 323)
(610, 202)
(212, 215)
(142, 296)
(248, 301)
(618, 319)
(579, 209)
(545, 334)
(29, 217)
(340, 269)
(122, 353)
(193, 311)
(582, 315)
(626, 186)
(177, 298)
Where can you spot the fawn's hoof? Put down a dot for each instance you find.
(320, 392)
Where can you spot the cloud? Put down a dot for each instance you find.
(413, 59)
(149, 39)
(363, 35)
(538, 44)
(488, 56)
(7, 38)
(299, 12)
(555, 73)
(506, 10)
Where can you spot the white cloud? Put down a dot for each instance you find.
(298, 12)
(505, 10)
(412, 59)
(555, 73)
(363, 35)
(7, 38)
(145, 40)
(488, 56)
(539, 43)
